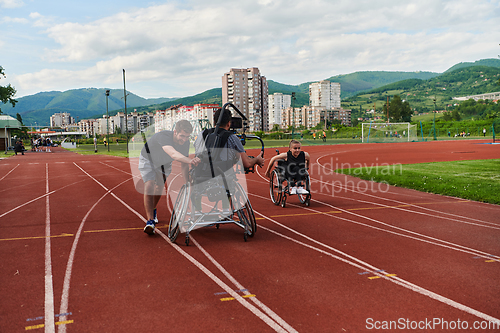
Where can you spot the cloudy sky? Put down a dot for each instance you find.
(181, 48)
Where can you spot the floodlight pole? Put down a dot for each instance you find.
(293, 114)
(125, 100)
(107, 119)
(434, 122)
(387, 109)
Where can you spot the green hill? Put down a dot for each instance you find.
(483, 62)
(212, 96)
(462, 81)
(81, 103)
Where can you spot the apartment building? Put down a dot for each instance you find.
(104, 125)
(305, 116)
(135, 122)
(324, 94)
(344, 115)
(61, 120)
(196, 114)
(277, 102)
(247, 89)
(89, 126)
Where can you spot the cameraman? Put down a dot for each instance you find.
(233, 143)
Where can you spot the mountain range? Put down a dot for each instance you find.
(89, 102)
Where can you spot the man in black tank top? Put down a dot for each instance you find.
(297, 163)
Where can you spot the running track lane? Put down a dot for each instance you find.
(305, 270)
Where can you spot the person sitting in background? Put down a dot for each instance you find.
(19, 147)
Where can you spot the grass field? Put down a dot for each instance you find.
(121, 149)
(477, 180)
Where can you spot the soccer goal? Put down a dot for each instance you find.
(388, 132)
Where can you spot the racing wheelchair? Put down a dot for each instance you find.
(279, 186)
(214, 193)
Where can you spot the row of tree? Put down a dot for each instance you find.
(6, 93)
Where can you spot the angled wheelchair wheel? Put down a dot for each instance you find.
(275, 187)
(178, 212)
(306, 198)
(245, 213)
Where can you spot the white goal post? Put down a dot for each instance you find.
(388, 132)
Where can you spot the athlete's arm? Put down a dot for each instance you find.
(172, 152)
(271, 162)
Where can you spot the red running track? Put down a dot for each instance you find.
(361, 257)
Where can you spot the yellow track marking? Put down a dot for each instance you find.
(34, 327)
(38, 237)
(232, 298)
(378, 277)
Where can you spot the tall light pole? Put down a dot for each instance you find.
(434, 122)
(125, 100)
(107, 119)
(388, 109)
(293, 113)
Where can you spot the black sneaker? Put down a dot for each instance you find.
(150, 227)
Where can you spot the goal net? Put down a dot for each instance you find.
(388, 132)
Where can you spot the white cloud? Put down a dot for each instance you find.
(188, 47)
(19, 20)
(11, 3)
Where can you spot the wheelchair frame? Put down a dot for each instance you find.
(240, 212)
(184, 214)
(279, 192)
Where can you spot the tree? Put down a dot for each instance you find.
(447, 116)
(399, 111)
(19, 118)
(6, 93)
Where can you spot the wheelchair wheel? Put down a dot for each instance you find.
(178, 212)
(245, 213)
(306, 198)
(275, 187)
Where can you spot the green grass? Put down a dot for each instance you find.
(114, 149)
(477, 180)
(121, 149)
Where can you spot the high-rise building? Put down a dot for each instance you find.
(61, 119)
(247, 89)
(303, 117)
(277, 103)
(324, 94)
(200, 115)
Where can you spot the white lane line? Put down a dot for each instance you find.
(69, 265)
(433, 241)
(360, 264)
(38, 198)
(402, 202)
(9, 172)
(450, 245)
(495, 225)
(212, 276)
(452, 219)
(49, 287)
(264, 307)
(225, 287)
